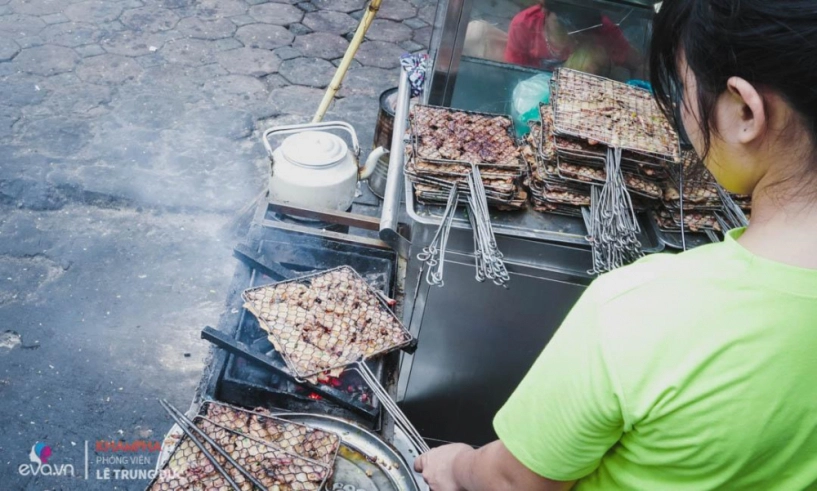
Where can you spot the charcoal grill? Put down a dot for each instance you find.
(259, 378)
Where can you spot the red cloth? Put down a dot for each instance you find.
(527, 45)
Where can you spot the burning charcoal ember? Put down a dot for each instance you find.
(350, 323)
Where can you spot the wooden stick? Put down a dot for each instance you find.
(340, 73)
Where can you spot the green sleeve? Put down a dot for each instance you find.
(566, 413)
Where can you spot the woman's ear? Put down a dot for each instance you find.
(745, 113)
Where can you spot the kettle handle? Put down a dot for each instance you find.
(295, 128)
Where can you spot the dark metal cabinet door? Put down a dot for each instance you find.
(476, 343)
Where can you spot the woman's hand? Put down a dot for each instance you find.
(438, 466)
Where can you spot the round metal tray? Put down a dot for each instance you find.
(365, 462)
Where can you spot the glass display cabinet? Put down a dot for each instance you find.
(484, 49)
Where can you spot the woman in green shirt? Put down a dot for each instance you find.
(695, 371)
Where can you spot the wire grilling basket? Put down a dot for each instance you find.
(325, 321)
(599, 110)
(328, 322)
(225, 447)
(445, 144)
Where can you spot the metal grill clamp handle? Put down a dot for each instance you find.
(400, 418)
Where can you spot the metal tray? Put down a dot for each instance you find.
(307, 280)
(527, 224)
(365, 461)
(302, 429)
(271, 450)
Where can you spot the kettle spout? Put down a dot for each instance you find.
(371, 162)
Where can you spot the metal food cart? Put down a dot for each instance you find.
(477, 340)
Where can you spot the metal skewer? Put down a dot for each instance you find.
(434, 253)
(400, 418)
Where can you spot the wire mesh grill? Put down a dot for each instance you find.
(695, 173)
(447, 136)
(444, 144)
(314, 444)
(458, 169)
(600, 110)
(325, 321)
(256, 443)
(559, 195)
(694, 221)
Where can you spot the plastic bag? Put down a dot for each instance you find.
(526, 98)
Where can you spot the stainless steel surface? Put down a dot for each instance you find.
(365, 453)
(524, 223)
(476, 341)
(377, 181)
(448, 50)
(391, 198)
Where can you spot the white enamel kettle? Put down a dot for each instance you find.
(315, 169)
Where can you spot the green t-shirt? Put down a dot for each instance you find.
(695, 371)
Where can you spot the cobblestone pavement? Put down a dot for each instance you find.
(129, 138)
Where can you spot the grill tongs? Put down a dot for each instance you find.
(400, 418)
(285, 348)
(195, 434)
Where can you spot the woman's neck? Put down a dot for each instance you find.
(783, 227)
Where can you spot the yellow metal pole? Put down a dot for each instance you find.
(334, 86)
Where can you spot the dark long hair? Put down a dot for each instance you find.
(770, 43)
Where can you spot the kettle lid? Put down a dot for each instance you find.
(314, 148)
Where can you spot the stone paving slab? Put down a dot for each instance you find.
(321, 45)
(264, 36)
(129, 138)
(332, 22)
(8, 49)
